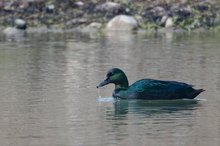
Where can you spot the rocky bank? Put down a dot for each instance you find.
(123, 15)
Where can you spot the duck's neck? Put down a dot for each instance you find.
(122, 84)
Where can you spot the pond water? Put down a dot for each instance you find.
(48, 94)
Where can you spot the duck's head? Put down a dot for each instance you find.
(115, 76)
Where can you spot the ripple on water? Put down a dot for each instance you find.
(106, 99)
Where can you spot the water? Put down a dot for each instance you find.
(48, 94)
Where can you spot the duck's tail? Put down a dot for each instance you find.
(197, 92)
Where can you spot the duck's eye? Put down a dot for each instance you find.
(109, 74)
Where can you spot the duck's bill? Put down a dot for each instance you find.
(103, 83)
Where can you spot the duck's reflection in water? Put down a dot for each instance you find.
(152, 107)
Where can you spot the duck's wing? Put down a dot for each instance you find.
(149, 88)
(146, 84)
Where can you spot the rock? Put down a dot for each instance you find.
(9, 7)
(95, 25)
(180, 12)
(35, 3)
(109, 7)
(90, 7)
(77, 21)
(164, 19)
(32, 6)
(91, 28)
(79, 4)
(24, 5)
(159, 11)
(20, 24)
(169, 22)
(1, 5)
(123, 23)
(183, 2)
(174, 9)
(12, 31)
(50, 8)
(127, 10)
(185, 12)
(202, 6)
(154, 14)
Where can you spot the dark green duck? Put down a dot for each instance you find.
(149, 89)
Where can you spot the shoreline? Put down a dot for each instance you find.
(114, 16)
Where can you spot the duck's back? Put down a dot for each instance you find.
(159, 90)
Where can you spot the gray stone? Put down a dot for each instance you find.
(34, 1)
(77, 21)
(12, 31)
(122, 23)
(164, 19)
(169, 22)
(174, 9)
(127, 10)
(1, 5)
(185, 11)
(159, 11)
(109, 7)
(183, 2)
(31, 4)
(79, 3)
(50, 8)
(91, 28)
(9, 6)
(20, 24)
(95, 25)
(24, 5)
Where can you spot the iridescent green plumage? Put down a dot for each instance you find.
(148, 88)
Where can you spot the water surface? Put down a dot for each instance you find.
(48, 94)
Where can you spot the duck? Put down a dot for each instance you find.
(149, 89)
